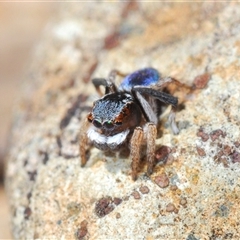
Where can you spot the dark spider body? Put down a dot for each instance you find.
(128, 114)
(113, 116)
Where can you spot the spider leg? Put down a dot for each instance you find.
(83, 139)
(150, 130)
(162, 96)
(170, 112)
(150, 115)
(109, 83)
(172, 121)
(115, 73)
(97, 82)
(135, 146)
(109, 86)
(165, 82)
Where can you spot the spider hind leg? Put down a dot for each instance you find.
(135, 150)
(150, 131)
(83, 140)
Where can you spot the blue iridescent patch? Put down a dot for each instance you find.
(142, 77)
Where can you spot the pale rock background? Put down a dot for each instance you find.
(21, 24)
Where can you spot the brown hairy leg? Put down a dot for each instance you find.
(151, 135)
(83, 140)
(135, 147)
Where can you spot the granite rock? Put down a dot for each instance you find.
(51, 196)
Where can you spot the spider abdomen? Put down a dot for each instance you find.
(142, 77)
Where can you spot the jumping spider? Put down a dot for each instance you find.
(128, 114)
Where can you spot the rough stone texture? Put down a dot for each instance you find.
(52, 197)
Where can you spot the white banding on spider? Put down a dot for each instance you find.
(117, 139)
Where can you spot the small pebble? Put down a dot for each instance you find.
(162, 180)
(136, 195)
(27, 213)
(144, 189)
(183, 202)
(216, 134)
(162, 153)
(173, 187)
(227, 150)
(235, 157)
(201, 81)
(171, 208)
(117, 201)
(204, 136)
(237, 144)
(201, 151)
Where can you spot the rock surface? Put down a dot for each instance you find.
(195, 193)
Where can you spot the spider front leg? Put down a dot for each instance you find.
(135, 149)
(150, 130)
(114, 73)
(108, 83)
(83, 139)
(109, 86)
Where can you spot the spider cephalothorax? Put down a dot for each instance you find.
(113, 117)
(128, 114)
(115, 112)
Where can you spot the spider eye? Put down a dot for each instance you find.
(118, 123)
(108, 124)
(97, 123)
